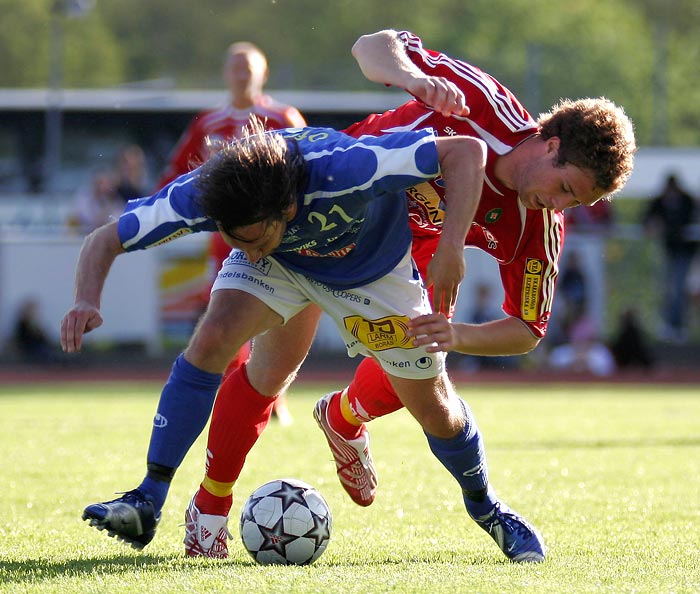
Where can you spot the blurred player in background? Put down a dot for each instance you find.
(245, 72)
(577, 154)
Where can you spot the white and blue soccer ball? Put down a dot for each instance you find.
(285, 522)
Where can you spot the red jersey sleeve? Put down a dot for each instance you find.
(495, 113)
(529, 280)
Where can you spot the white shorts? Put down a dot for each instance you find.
(372, 319)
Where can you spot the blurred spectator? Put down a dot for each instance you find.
(96, 203)
(629, 345)
(573, 296)
(29, 337)
(694, 289)
(132, 173)
(670, 216)
(573, 292)
(585, 353)
(485, 311)
(245, 73)
(572, 283)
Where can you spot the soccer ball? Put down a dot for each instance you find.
(285, 522)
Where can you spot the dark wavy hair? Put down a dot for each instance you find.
(252, 179)
(596, 135)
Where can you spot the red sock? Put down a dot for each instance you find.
(370, 393)
(211, 504)
(339, 423)
(240, 415)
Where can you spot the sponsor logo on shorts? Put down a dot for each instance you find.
(249, 278)
(424, 363)
(532, 281)
(239, 259)
(380, 334)
(340, 293)
(399, 364)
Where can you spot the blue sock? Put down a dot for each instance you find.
(464, 457)
(183, 411)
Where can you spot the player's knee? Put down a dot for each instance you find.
(266, 378)
(212, 347)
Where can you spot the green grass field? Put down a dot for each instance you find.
(609, 474)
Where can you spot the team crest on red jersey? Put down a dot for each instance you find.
(493, 215)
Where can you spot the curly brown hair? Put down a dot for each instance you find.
(594, 134)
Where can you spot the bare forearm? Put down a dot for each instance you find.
(97, 255)
(462, 169)
(382, 59)
(99, 250)
(508, 336)
(462, 162)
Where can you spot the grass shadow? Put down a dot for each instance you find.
(33, 571)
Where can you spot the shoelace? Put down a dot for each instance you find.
(511, 522)
(134, 496)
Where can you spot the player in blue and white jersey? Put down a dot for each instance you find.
(316, 217)
(349, 209)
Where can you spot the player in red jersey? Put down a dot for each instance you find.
(245, 72)
(520, 220)
(575, 155)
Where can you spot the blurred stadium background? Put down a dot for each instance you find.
(82, 79)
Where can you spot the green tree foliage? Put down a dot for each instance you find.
(542, 49)
(91, 54)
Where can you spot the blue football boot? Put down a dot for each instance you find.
(130, 518)
(518, 540)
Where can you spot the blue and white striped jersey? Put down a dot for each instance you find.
(351, 225)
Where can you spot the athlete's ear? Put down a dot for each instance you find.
(552, 144)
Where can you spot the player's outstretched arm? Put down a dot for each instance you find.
(97, 254)
(382, 59)
(462, 165)
(508, 336)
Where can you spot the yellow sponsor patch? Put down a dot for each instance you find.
(382, 334)
(425, 195)
(532, 281)
(175, 235)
